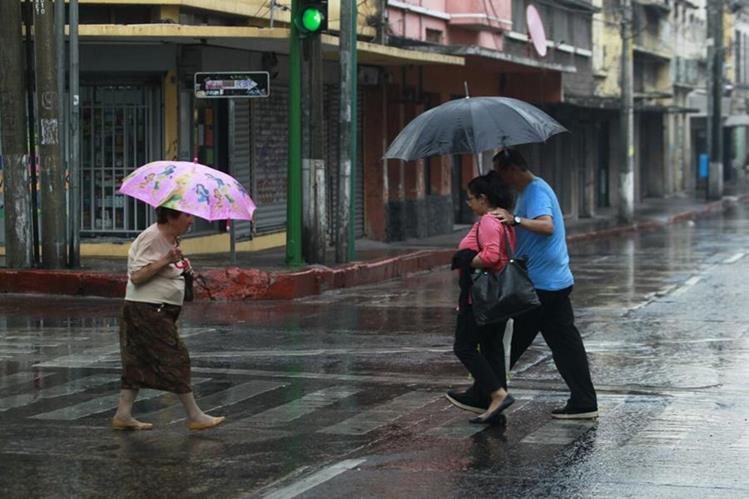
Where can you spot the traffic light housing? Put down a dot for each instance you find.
(312, 17)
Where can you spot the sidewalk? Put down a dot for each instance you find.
(263, 274)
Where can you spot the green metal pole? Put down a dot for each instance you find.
(294, 199)
(351, 246)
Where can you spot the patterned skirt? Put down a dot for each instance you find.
(153, 355)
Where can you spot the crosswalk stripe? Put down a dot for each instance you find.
(366, 421)
(458, 427)
(16, 350)
(21, 377)
(735, 257)
(31, 342)
(224, 398)
(669, 428)
(90, 407)
(69, 388)
(742, 442)
(109, 352)
(301, 486)
(298, 408)
(559, 432)
(99, 405)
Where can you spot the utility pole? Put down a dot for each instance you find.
(714, 98)
(294, 175)
(52, 174)
(314, 196)
(60, 73)
(15, 164)
(345, 243)
(626, 174)
(28, 21)
(74, 249)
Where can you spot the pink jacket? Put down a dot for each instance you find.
(490, 241)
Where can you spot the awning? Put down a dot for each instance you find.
(255, 39)
(473, 50)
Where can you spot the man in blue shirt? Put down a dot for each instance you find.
(539, 225)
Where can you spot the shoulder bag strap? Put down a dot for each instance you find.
(508, 247)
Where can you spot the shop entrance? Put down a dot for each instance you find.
(120, 131)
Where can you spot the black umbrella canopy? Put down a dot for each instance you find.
(472, 125)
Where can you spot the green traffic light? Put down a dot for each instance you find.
(312, 19)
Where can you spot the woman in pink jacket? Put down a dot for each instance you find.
(480, 348)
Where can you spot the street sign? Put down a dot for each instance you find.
(230, 84)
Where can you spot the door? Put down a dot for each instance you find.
(120, 131)
(602, 189)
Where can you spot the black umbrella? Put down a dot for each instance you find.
(472, 125)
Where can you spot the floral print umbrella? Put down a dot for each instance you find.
(190, 187)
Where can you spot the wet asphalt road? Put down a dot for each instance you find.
(341, 395)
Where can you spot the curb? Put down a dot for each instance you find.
(708, 210)
(239, 284)
(62, 282)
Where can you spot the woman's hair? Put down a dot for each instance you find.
(498, 194)
(509, 156)
(164, 214)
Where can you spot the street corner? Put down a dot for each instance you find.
(232, 283)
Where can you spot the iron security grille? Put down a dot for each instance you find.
(117, 136)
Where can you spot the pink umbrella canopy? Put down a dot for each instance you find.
(190, 187)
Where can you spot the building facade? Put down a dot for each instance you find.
(138, 104)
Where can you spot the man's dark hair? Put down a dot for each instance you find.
(509, 156)
(497, 192)
(164, 214)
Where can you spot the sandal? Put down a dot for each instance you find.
(118, 424)
(215, 421)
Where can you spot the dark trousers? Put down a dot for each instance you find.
(487, 366)
(556, 322)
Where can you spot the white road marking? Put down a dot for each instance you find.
(322, 476)
(458, 427)
(224, 398)
(107, 353)
(315, 352)
(99, 405)
(380, 415)
(668, 429)
(687, 284)
(693, 280)
(22, 377)
(298, 408)
(734, 258)
(742, 442)
(69, 388)
(559, 432)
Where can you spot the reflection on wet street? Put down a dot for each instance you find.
(341, 395)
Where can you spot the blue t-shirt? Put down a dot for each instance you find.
(546, 256)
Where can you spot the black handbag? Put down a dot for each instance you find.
(498, 296)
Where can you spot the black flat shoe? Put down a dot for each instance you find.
(496, 414)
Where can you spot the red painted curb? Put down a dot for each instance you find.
(62, 282)
(235, 284)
